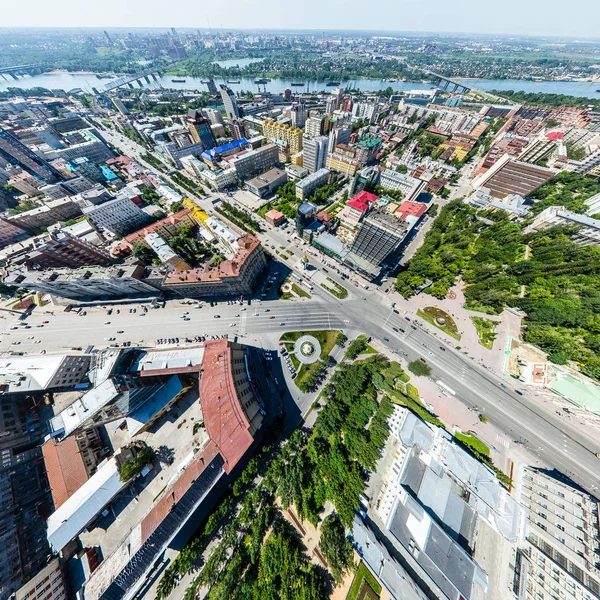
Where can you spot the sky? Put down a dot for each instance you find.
(523, 17)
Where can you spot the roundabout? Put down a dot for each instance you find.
(307, 349)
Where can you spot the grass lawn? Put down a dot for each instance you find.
(485, 331)
(327, 340)
(430, 314)
(362, 574)
(468, 439)
(335, 289)
(299, 291)
(369, 350)
(415, 406)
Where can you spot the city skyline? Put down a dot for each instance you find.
(535, 17)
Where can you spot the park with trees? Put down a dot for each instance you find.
(556, 282)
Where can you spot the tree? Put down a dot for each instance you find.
(143, 252)
(176, 207)
(402, 169)
(335, 546)
(419, 368)
(131, 467)
(356, 347)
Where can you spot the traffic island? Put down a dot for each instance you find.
(310, 351)
(440, 319)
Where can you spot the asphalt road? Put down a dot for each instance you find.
(545, 434)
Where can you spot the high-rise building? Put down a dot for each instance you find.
(306, 215)
(24, 495)
(212, 87)
(213, 115)
(379, 234)
(339, 135)
(314, 126)
(291, 137)
(238, 129)
(200, 130)
(16, 153)
(298, 114)
(560, 555)
(315, 153)
(229, 102)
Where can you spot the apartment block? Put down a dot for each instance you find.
(289, 136)
(230, 278)
(560, 555)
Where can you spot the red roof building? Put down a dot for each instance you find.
(230, 421)
(70, 463)
(365, 197)
(411, 209)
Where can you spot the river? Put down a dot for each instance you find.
(85, 81)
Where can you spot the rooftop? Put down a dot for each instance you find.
(224, 418)
(65, 468)
(415, 209)
(28, 373)
(67, 521)
(228, 268)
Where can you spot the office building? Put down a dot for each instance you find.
(508, 176)
(305, 216)
(119, 216)
(58, 249)
(588, 229)
(288, 136)
(298, 114)
(409, 186)
(232, 415)
(212, 87)
(315, 153)
(16, 153)
(252, 162)
(10, 233)
(560, 556)
(230, 278)
(305, 187)
(200, 130)
(267, 183)
(86, 283)
(379, 235)
(214, 116)
(32, 374)
(229, 102)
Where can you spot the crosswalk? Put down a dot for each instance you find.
(502, 440)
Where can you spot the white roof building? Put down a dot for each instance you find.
(88, 501)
